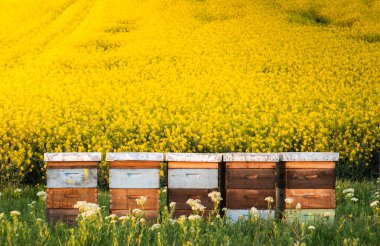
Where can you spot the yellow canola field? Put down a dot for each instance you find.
(183, 76)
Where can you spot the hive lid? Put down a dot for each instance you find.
(72, 156)
(194, 157)
(309, 156)
(135, 156)
(251, 157)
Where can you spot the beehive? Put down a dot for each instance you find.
(249, 179)
(310, 181)
(192, 176)
(71, 177)
(133, 175)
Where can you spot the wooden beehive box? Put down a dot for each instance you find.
(71, 177)
(310, 181)
(133, 175)
(249, 179)
(192, 176)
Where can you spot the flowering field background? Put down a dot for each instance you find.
(22, 222)
(189, 76)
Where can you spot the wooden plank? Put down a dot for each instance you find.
(198, 165)
(236, 214)
(309, 156)
(125, 199)
(193, 178)
(178, 213)
(251, 157)
(53, 215)
(194, 157)
(309, 215)
(72, 178)
(308, 164)
(247, 198)
(134, 178)
(148, 214)
(250, 178)
(259, 165)
(312, 198)
(135, 164)
(72, 156)
(135, 156)
(68, 197)
(310, 178)
(180, 197)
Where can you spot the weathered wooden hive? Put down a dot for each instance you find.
(249, 179)
(192, 176)
(71, 177)
(133, 175)
(310, 181)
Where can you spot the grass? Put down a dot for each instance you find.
(356, 223)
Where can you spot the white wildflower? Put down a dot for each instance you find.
(111, 217)
(349, 190)
(172, 205)
(194, 217)
(354, 199)
(215, 197)
(124, 218)
(254, 212)
(311, 228)
(269, 199)
(224, 209)
(298, 206)
(155, 227)
(141, 201)
(142, 220)
(15, 213)
(83, 206)
(137, 212)
(42, 195)
(17, 191)
(374, 204)
(326, 214)
(2, 216)
(289, 200)
(196, 205)
(349, 195)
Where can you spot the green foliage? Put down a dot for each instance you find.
(355, 223)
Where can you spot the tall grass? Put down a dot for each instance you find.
(356, 223)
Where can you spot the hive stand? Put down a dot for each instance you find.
(71, 177)
(133, 175)
(192, 176)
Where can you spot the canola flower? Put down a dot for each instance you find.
(192, 76)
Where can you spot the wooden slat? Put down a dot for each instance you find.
(148, 214)
(135, 164)
(178, 213)
(72, 178)
(260, 165)
(309, 164)
(193, 178)
(125, 199)
(72, 164)
(250, 178)
(310, 178)
(68, 197)
(247, 198)
(134, 178)
(198, 165)
(180, 197)
(69, 216)
(312, 198)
